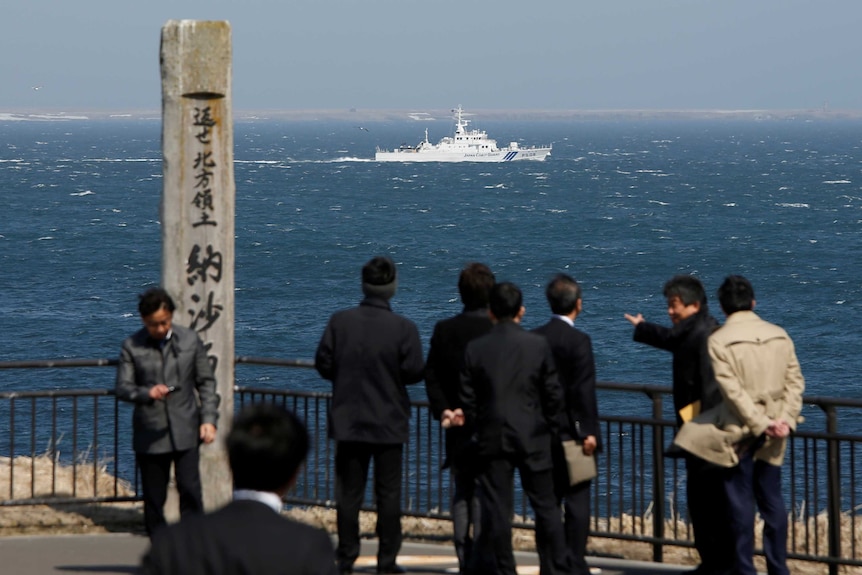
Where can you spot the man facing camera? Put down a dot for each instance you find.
(165, 372)
(266, 447)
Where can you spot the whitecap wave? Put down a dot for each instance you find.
(792, 205)
(830, 182)
(84, 193)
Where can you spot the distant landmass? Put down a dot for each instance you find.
(371, 115)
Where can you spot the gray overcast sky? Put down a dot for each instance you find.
(406, 54)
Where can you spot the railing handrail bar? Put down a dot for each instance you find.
(649, 389)
(53, 363)
(56, 393)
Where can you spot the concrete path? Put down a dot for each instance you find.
(120, 554)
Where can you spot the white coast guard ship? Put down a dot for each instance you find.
(464, 146)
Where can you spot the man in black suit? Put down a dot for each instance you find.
(511, 400)
(266, 447)
(370, 354)
(442, 382)
(695, 389)
(573, 355)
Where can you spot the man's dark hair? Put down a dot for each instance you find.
(563, 293)
(736, 294)
(474, 285)
(265, 447)
(153, 300)
(505, 300)
(379, 270)
(687, 288)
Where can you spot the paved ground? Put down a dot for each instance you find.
(119, 553)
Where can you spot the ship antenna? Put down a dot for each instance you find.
(459, 122)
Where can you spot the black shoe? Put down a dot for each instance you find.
(344, 569)
(392, 569)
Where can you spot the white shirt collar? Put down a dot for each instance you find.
(268, 498)
(565, 318)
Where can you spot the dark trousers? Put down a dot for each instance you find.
(155, 474)
(757, 482)
(576, 510)
(465, 511)
(576, 521)
(492, 549)
(707, 509)
(352, 460)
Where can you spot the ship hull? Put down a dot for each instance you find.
(534, 154)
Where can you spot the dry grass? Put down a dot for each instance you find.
(39, 477)
(57, 481)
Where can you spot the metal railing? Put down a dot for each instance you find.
(81, 441)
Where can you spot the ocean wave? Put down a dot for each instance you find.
(837, 182)
(84, 193)
(792, 205)
(113, 160)
(7, 117)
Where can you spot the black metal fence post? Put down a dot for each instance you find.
(833, 468)
(658, 478)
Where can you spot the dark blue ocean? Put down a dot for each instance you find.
(620, 205)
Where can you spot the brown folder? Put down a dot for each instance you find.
(581, 467)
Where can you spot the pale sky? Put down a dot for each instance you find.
(406, 54)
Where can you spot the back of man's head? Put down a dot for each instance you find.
(687, 288)
(379, 278)
(505, 301)
(265, 446)
(736, 294)
(474, 285)
(563, 293)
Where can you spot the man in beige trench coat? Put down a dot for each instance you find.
(761, 384)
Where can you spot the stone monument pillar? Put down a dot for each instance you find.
(197, 209)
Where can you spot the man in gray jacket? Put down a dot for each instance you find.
(164, 371)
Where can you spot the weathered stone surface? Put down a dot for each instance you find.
(197, 208)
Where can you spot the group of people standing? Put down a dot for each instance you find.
(502, 394)
(737, 392)
(507, 398)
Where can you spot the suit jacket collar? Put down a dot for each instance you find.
(377, 302)
(475, 312)
(506, 325)
(267, 498)
(565, 319)
(741, 316)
